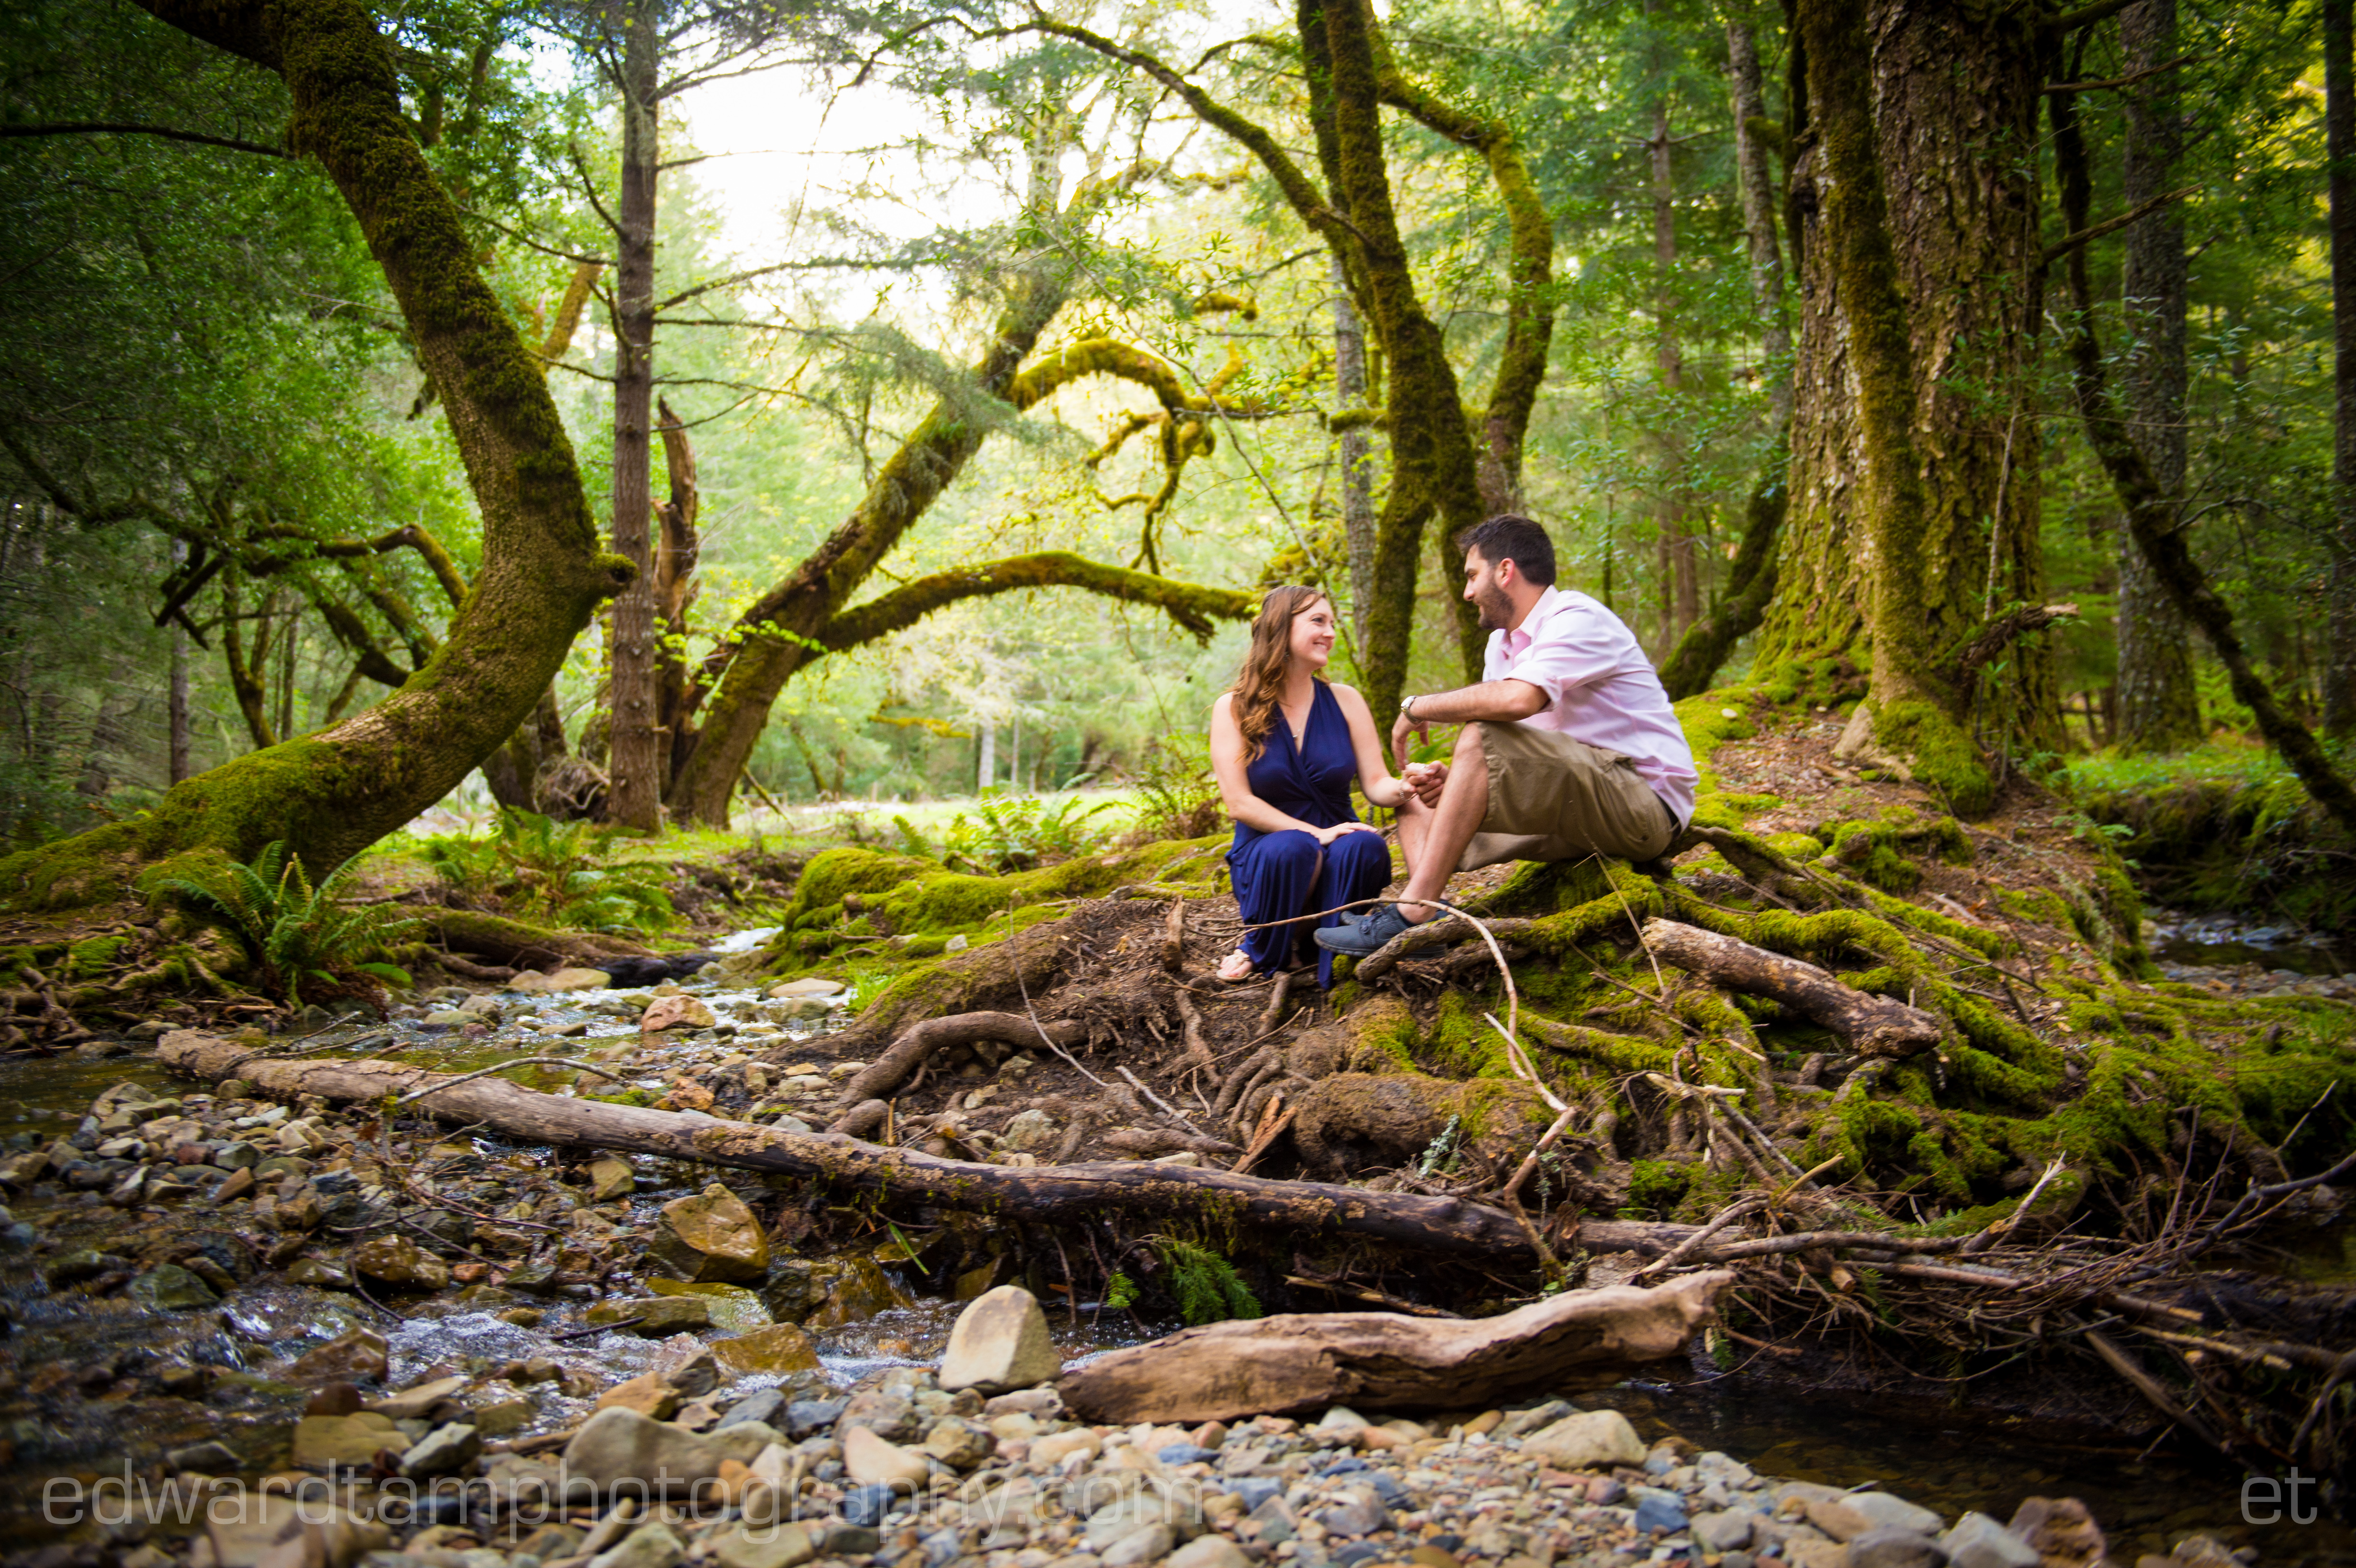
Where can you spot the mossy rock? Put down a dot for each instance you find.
(1354, 1123)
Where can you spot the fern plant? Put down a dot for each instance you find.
(1204, 1284)
(554, 872)
(296, 933)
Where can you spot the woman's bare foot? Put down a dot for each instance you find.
(1235, 967)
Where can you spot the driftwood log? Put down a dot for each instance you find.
(1876, 1026)
(1386, 1361)
(920, 1040)
(1441, 1226)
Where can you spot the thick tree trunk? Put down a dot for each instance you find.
(335, 792)
(675, 588)
(2340, 122)
(2158, 709)
(1915, 184)
(637, 772)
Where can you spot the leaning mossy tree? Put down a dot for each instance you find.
(329, 794)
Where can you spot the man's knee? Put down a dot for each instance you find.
(1468, 746)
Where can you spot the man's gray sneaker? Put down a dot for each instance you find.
(1368, 935)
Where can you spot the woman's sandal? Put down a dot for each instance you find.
(1226, 980)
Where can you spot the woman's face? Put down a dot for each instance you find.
(1311, 641)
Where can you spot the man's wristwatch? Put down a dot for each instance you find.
(1406, 709)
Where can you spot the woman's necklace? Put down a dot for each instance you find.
(1301, 728)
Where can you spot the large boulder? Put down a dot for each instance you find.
(1000, 1343)
(712, 1237)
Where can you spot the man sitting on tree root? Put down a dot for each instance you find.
(1568, 746)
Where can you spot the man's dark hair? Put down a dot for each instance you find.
(1518, 540)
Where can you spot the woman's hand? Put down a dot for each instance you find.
(1325, 835)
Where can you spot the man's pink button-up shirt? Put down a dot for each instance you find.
(1599, 688)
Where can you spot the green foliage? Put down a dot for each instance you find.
(1180, 799)
(295, 932)
(1011, 835)
(1655, 1188)
(557, 874)
(1120, 1292)
(1204, 1284)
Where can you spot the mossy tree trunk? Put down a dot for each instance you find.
(2158, 708)
(334, 792)
(2339, 117)
(1914, 184)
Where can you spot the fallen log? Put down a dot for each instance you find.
(1441, 1226)
(1387, 1361)
(918, 1041)
(1876, 1026)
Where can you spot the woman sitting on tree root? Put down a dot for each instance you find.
(1285, 745)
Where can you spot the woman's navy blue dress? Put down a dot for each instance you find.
(1280, 874)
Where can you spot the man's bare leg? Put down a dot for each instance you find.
(1442, 832)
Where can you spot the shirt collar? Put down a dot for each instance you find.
(1521, 636)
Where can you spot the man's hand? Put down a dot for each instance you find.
(1401, 728)
(1425, 781)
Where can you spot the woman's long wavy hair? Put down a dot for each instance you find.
(1260, 684)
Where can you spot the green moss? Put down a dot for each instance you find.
(1941, 754)
(1655, 1188)
(92, 957)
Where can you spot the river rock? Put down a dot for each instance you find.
(276, 1528)
(645, 1395)
(780, 1347)
(418, 1400)
(651, 1545)
(960, 1444)
(1587, 1441)
(1000, 1343)
(712, 1237)
(351, 1357)
(1726, 1529)
(397, 1260)
(2064, 1534)
(1884, 1548)
(318, 1271)
(1210, 1551)
(171, 1288)
(764, 1546)
(569, 980)
(849, 1290)
(1883, 1511)
(675, 1012)
(1359, 1512)
(611, 1178)
(1029, 1132)
(617, 1444)
(1145, 1545)
(345, 1442)
(873, 1461)
(1978, 1541)
(658, 1317)
(443, 1451)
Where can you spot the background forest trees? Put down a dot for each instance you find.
(1158, 317)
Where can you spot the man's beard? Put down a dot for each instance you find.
(1496, 610)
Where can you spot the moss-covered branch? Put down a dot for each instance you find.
(1195, 608)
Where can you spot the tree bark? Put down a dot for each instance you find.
(2158, 709)
(918, 1041)
(1875, 1026)
(1755, 185)
(1679, 585)
(1357, 457)
(1920, 124)
(333, 792)
(675, 588)
(636, 773)
(175, 718)
(2339, 125)
(1383, 1361)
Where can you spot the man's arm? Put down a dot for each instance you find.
(1503, 701)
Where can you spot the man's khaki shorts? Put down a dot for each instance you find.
(1554, 799)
